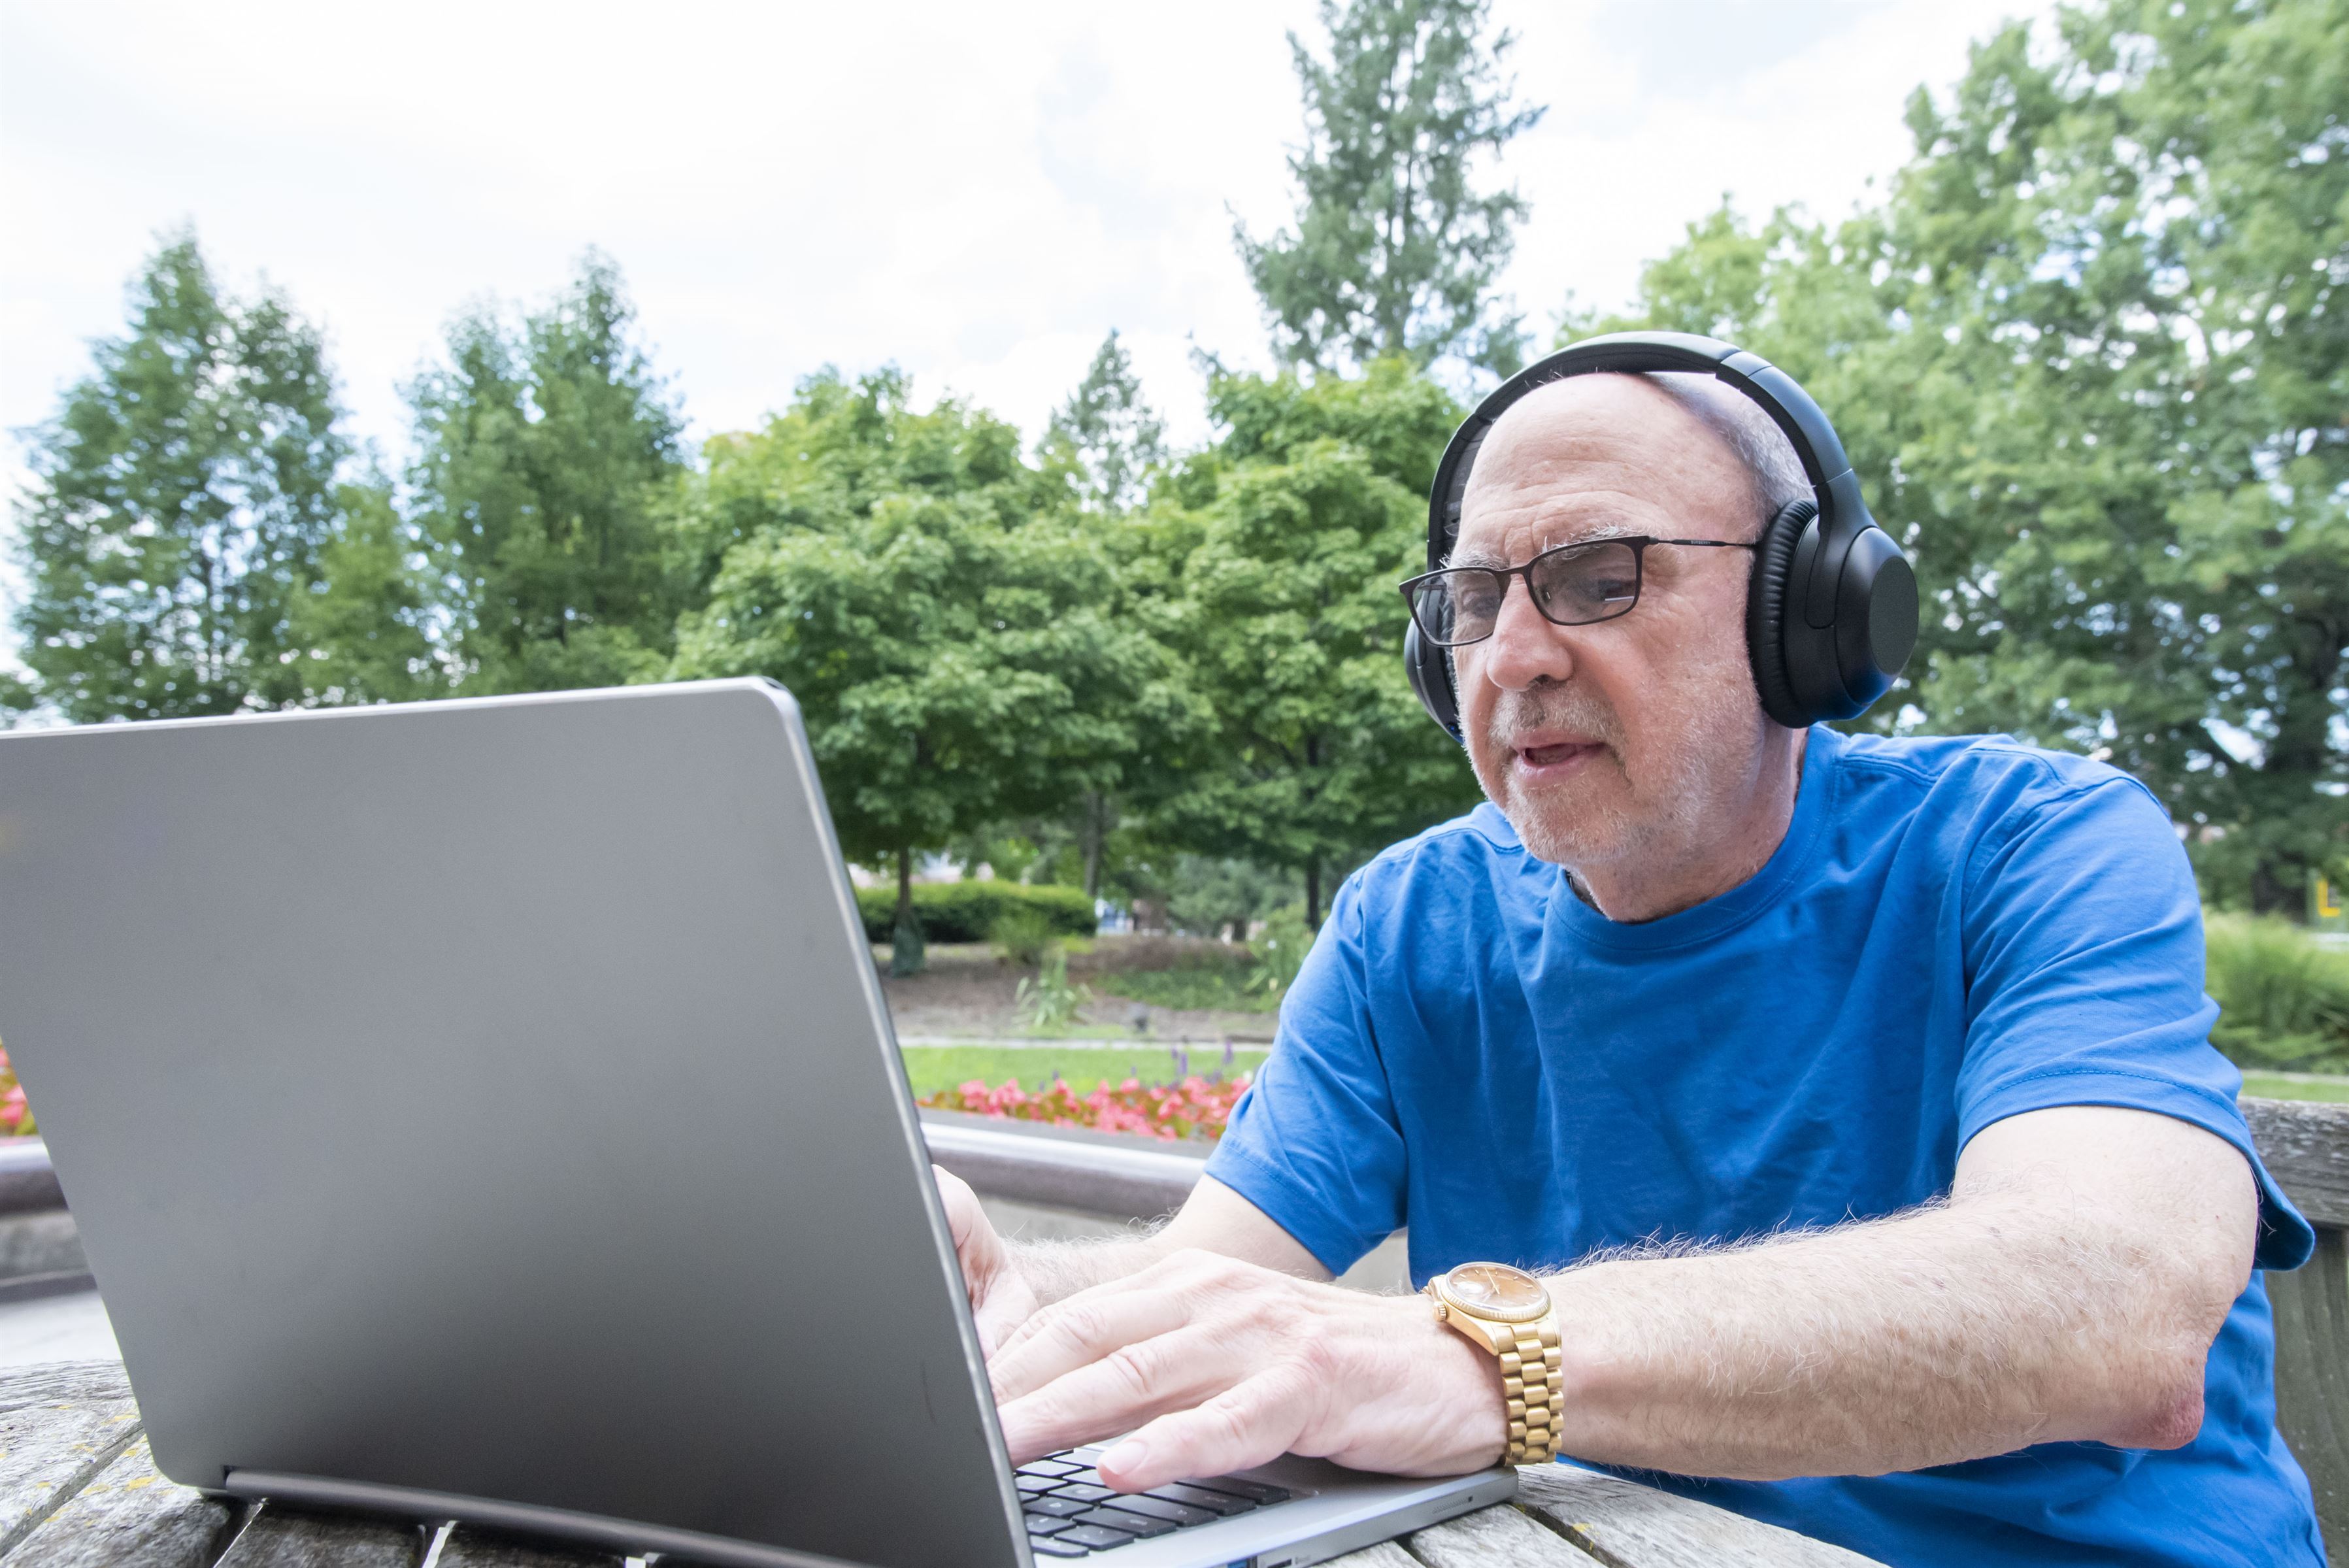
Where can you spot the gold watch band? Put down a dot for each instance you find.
(1530, 1381)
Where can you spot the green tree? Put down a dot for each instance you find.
(363, 622)
(2090, 356)
(1106, 437)
(546, 484)
(951, 628)
(1285, 545)
(179, 504)
(1394, 249)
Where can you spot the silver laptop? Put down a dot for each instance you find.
(487, 1110)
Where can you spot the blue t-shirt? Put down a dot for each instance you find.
(1953, 931)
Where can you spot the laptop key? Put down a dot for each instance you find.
(1180, 1515)
(1053, 1546)
(1055, 1507)
(1039, 1525)
(1049, 1468)
(1196, 1497)
(1080, 1490)
(1083, 1534)
(1035, 1483)
(1081, 1476)
(1119, 1519)
(1255, 1491)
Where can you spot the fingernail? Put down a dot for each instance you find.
(1127, 1456)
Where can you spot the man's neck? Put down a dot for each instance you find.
(1649, 885)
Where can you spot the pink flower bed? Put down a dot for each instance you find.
(1195, 1108)
(15, 1116)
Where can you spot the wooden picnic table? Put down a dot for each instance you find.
(78, 1490)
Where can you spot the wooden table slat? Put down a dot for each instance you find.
(1385, 1554)
(129, 1516)
(59, 1427)
(468, 1547)
(278, 1537)
(1627, 1525)
(1495, 1538)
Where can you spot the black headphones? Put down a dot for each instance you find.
(1832, 613)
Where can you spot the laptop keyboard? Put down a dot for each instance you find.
(1071, 1514)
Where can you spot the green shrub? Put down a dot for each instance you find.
(968, 911)
(1022, 935)
(2283, 999)
(1051, 1001)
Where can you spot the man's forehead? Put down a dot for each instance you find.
(1593, 457)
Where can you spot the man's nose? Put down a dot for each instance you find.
(1525, 647)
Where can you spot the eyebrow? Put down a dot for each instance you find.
(1494, 558)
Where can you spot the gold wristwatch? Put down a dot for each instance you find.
(1508, 1312)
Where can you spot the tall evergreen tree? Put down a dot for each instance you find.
(180, 503)
(1107, 437)
(1394, 250)
(546, 486)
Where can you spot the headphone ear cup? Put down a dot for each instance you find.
(1430, 670)
(1766, 612)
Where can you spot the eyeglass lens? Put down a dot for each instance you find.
(1571, 586)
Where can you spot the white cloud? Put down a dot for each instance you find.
(976, 194)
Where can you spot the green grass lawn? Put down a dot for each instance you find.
(2295, 1087)
(933, 1067)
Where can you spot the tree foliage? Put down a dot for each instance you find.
(179, 505)
(950, 625)
(1394, 249)
(2090, 358)
(1285, 560)
(1106, 437)
(548, 465)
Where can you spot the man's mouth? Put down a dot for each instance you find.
(1547, 756)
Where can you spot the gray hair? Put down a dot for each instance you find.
(1760, 446)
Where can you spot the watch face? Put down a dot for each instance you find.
(1496, 1291)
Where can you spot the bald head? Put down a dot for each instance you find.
(1696, 431)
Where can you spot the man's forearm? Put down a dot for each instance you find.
(1943, 1335)
(1055, 1270)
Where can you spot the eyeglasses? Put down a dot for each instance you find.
(1572, 585)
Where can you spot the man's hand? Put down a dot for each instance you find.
(1001, 1299)
(1222, 1364)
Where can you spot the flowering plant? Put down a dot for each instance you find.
(15, 1116)
(1194, 1107)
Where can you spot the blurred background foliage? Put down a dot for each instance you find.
(2089, 350)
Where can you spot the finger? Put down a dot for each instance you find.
(960, 1202)
(1117, 1393)
(1252, 1423)
(1079, 1331)
(999, 1312)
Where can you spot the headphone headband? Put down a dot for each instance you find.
(1777, 394)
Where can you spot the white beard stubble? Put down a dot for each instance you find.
(1696, 753)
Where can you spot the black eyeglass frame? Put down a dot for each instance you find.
(1639, 544)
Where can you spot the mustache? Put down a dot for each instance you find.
(1547, 704)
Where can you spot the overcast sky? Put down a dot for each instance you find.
(976, 194)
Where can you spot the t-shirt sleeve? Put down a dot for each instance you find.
(1314, 1142)
(2084, 964)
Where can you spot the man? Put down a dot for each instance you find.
(1853, 1094)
